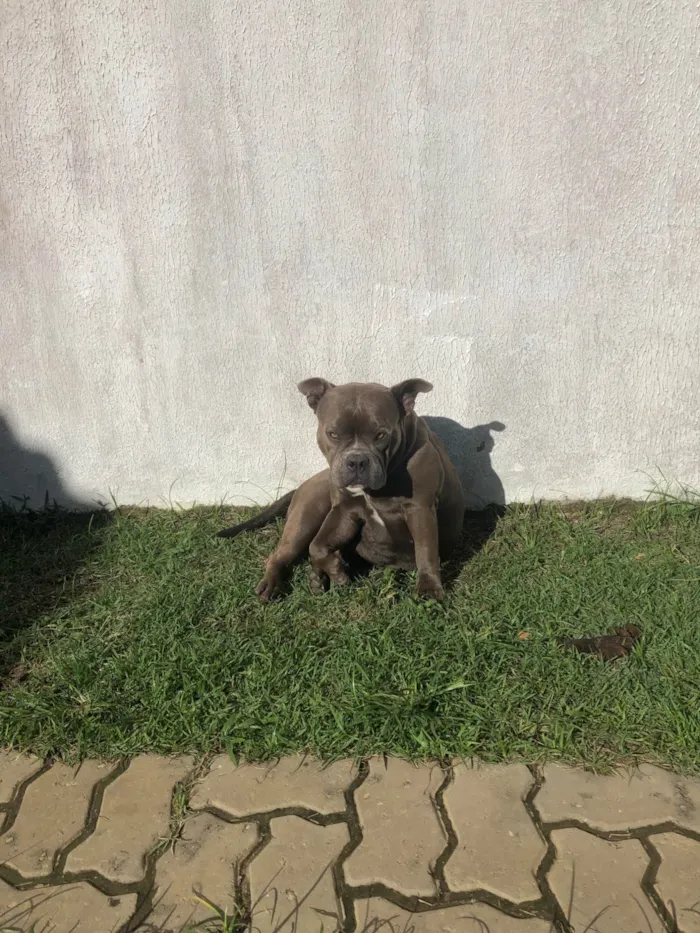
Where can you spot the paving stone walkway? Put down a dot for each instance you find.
(157, 844)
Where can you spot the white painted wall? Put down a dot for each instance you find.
(203, 202)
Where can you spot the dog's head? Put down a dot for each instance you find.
(361, 426)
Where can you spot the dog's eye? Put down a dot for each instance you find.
(380, 436)
(333, 435)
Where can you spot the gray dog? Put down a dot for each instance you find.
(390, 490)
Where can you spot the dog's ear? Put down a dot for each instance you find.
(314, 390)
(406, 392)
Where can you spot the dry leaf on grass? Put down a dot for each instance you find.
(607, 647)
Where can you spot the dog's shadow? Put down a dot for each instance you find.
(470, 451)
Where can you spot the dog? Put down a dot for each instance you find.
(390, 492)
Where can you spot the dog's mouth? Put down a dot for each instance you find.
(356, 488)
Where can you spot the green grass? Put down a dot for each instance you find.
(139, 631)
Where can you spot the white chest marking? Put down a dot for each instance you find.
(373, 513)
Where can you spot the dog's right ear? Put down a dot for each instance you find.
(314, 390)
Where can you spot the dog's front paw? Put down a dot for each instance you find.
(318, 582)
(271, 586)
(330, 569)
(430, 587)
(337, 573)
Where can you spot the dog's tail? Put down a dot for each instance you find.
(263, 518)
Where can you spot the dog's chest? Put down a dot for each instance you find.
(384, 538)
(358, 492)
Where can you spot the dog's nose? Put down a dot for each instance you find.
(357, 464)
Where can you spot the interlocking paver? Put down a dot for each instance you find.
(401, 833)
(133, 817)
(602, 881)
(379, 916)
(291, 879)
(71, 908)
(15, 768)
(291, 782)
(626, 800)
(203, 861)
(53, 812)
(678, 879)
(498, 847)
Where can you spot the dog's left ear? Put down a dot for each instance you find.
(406, 392)
(314, 390)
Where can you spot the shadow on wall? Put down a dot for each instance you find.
(41, 552)
(29, 477)
(470, 451)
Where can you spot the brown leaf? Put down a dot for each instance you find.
(523, 636)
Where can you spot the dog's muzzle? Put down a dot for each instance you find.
(361, 468)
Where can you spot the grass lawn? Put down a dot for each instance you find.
(139, 631)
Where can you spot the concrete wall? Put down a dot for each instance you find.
(203, 202)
